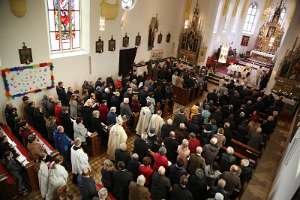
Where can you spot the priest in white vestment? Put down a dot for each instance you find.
(156, 122)
(117, 136)
(58, 177)
(79, 159)
(43, 175)
(144, 119)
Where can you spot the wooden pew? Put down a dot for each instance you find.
(245, 149)
(27, 164)
(240, 156)
(181, 95)
(51, 151)
(8, 185)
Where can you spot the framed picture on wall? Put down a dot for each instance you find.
(99, 45)
(245, 40)
(159, 38)
(168, 38)
(125, 40)
(112, 44)
(138, 39)
(25, 55)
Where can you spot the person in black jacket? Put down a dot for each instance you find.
(61, 93)
(87, 185)
(246, 171)
(141, 147)
(197, 185)
(171, 145)
(166, 129)
(121, 154)
(121, 179)
(161, 185)
(133, 165)
(176, 171)
(180, 190)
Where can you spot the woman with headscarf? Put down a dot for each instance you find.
(117, 136)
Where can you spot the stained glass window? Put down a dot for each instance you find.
(250, 18)
(64, 25)
(282, 17)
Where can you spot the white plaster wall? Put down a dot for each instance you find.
(32, 29)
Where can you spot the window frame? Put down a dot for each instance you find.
(250, 21)
(60, 50)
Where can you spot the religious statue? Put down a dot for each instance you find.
(153, 28)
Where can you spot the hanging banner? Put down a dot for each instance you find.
(19, 81)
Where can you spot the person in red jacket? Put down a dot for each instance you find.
(160, 158)
(146, 170)
(118, 83)
(57, 112)
(103, 109)
(193, 143)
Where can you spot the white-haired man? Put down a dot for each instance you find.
(161, 184)
(210, 151)
(196, 161)
(117, 136)
(137, 191)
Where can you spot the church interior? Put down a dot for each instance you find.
(141, 100)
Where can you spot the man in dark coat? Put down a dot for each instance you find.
(196, 161)
(161, 185)
(166, 129)
(61, 93)
(121, 179)
(197, 185)
(141, 147)
(180, 190)
(176, 171)
(180, 118)
(121, 154)
(210, 151)
(133, 165)
(171, 145)
(233, 182)
(87, 186)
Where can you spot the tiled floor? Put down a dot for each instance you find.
(96, 163)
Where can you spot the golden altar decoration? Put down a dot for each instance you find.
(270, 34)
(288, 76)
(190, 40)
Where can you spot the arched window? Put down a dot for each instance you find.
(64, 25)
(282, 16)
(250, 18)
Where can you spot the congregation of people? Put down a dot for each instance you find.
(186, 156)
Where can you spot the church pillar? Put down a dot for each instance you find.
(292, 32)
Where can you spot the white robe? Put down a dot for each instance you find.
(58, 176)
(79, 160)
(156, 122)
(43, 175)
(144, 119)
(117, 136)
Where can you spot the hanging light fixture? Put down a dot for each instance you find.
(102, 23)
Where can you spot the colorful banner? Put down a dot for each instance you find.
(19, 81)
